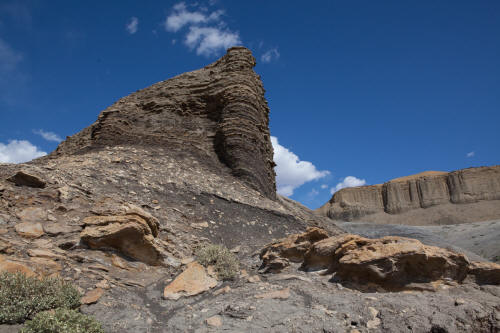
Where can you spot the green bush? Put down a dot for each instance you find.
(225, 263)
(62, 320)
(22, 297)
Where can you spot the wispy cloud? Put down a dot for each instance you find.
(133, 25)
(324, 186)
(270, 55)
(291, 172)
(19, 151)
(49, 136)
(9, 58)
(470, 154)
(205, 32)
(349, 181)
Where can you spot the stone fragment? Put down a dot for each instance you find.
(29, 230)
(485, 272)
(130, 234)
(459, 301)
(222, 291)
(55, 229)
(214, 321)
(253, 279)
(40, 253)
(193, 281)
(32, 214)
(92, 296)
(278, 294)
(15, 267)
(119, 262)
(44, 266)
(103, 284)
(23, 178)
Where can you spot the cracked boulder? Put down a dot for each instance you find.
(393, 263)
(133, 234)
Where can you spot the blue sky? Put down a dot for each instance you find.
(360, 91)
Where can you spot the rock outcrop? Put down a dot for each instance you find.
(424, 190)
(215, 113)
(392, 263)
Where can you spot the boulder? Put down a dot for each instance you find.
(33, 214)
(392, 263)
(193, 281)
(23, 178)
(130, 234)
(276, 256)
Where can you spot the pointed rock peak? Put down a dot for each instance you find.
(217, 115)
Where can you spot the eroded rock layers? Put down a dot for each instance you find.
(215, 114)
(419, 191)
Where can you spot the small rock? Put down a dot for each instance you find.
(55, 229)
(253, 279)
(186, 261)
(236, 249)
(32, 214)
(214, 321)
(278, 294)
(22, 178)
(221, 291)
(92, 296)
(3, 231)
(103, 284)
(459, 301)
(371, 324)
(44, 254)
(29, 230)
(201, 225)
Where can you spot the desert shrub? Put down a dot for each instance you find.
(225, 263)
(21, 297)
(62, 320)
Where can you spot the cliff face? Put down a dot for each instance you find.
(215, 114)
(424, 190)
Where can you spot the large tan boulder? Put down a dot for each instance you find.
(29, 230)
(193, 281)
(277, 255)
(393, 263)
(132, 234)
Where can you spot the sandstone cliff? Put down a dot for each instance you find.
(430, 197)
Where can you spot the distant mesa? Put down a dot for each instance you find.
(429, 197)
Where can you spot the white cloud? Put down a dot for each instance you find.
(323, 186)
(181, 17)
(208, 41)
(206, 33)
(349, 181)
(133, 25)
(291, 172)
(19, 151)
(49, 136)
(9, 58)
(470, 154)
(270, 55)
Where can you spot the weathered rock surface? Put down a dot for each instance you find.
(422, 191)
(22, 178)
(393, 263)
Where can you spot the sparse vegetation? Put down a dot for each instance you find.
(62, 320)
(225, 263)
(22, 297)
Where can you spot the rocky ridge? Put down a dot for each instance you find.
(120, 208)
(424, 198)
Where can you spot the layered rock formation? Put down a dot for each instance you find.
(425, 190)
(218, 112)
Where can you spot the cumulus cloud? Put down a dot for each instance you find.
(206, 32)
(49, 136)
(349, 181)
(133, 25)
(19, 151)
(470, 154)
(270, 55)
(208, 41)
(291, 172)
(181, 17)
